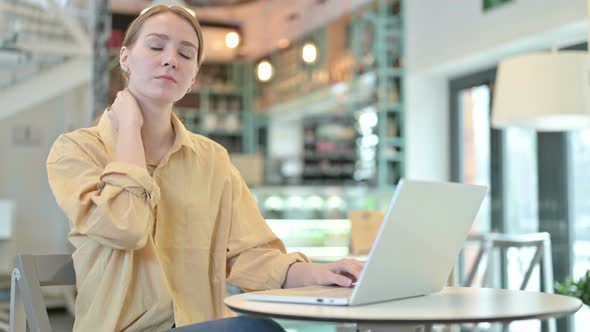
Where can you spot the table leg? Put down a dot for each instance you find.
(506, 327)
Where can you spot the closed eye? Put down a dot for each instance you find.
(160, 48)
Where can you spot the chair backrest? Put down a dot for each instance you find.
(7, 241)
(488, 242)
(30, 273)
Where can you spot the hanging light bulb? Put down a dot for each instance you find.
(309, 53)
(232, 39)
(264, 71)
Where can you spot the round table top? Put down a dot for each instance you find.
(451, 305)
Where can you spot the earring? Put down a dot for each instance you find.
(189, 90)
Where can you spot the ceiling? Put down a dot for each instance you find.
(265, 24)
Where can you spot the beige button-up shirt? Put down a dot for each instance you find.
(156, 246)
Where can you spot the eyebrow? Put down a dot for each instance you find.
(163, 36)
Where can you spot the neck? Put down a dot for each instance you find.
(157, 132)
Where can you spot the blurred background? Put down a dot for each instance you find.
(324, 105)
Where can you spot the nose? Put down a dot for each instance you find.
(170, 60)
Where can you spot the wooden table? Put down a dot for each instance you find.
(452, 305)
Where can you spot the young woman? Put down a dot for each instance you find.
(159, 217)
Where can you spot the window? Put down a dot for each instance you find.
(475, 111)
(580, 179)
(521, 187)
(474, 159)
(521, 203)
(506, 162)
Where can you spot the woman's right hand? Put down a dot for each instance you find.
(125, 112)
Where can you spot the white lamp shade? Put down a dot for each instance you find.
(543, 91)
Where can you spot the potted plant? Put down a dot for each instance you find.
(579, 288)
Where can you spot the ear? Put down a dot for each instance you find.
(123, 57)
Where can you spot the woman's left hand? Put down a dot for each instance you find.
(343, 272)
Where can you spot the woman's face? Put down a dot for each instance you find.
(162, 63)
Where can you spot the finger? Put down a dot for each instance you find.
(349, 276)
(129, 93)
(346, 266)
(337, 279)
(356, 262)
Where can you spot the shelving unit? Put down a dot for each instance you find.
(220, 105)
(294, 78)
(329, 150)
(377, 44)
(364, 68)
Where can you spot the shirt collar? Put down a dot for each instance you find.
(109, 135)
(183, 136)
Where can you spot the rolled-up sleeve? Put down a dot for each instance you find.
(257, 258)
(113, 205)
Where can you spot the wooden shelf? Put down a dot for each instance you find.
(323, 101)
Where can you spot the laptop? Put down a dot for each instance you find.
(414, 251)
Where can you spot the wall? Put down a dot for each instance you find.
(448, 39)
(441, 33)
(40, 225)
(427, 127)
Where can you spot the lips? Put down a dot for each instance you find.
(167, 77)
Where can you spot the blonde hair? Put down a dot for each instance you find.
(135, 26)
